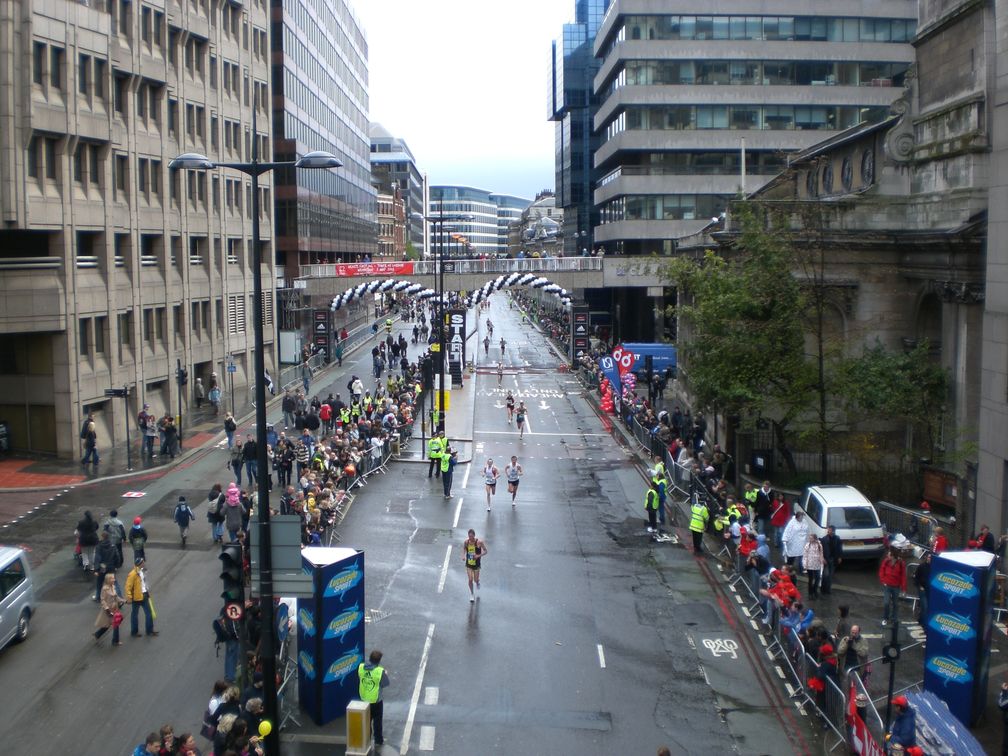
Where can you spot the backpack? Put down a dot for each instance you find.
(230, 425)
(137, 541)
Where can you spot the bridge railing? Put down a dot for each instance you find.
(503, 265)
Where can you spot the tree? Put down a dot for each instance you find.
(743, 314)
(411, 251)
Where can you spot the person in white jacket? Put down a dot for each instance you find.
(795, 537)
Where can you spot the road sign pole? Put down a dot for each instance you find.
(129, 450)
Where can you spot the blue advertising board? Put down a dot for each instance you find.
(959, 623)
(662, 356)
(330, 631)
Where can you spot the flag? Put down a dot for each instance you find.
(269, 383)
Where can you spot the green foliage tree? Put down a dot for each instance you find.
(411, 251)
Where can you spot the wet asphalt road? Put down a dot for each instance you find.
(586, 638)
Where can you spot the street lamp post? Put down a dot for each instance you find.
(255, 168)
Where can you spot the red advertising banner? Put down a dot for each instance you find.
(861, 740)
(392, 268)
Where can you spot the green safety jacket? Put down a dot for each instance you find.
(434, 448)
(355, 409)
(659, 472)
(698, 518)
(345, 416)
(370, 683)
(651, 499)
(445, 462)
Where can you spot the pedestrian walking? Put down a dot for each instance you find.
(490, 476)
(795, 537)
(500, 373)
(183, 516)
(892, 576)
(104, 562)
(812, 563)
(230, 426)
(137, 538)
(473, 551)
(117, 534)
(250, 456)
(449, 458)
(832, 548)
(138, 596)
(214, 395)
(513, 472)
(233, 512)
(109, 613)
(199, 392)
(216, 501)
(170, 444)
(87, 537)
(89, 435)
(148, 431)
(373, 678)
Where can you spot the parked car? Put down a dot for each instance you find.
(851, 513)
(17, 595)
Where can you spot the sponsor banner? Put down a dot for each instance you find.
(455, 340)
(861, 740)
(579, 332)
(958, 626)
(391, 268)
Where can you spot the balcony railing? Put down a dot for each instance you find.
(502, 265)
(31, 263)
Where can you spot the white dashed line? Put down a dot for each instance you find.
(601, 656)
(780, 673)
(444, 569)
(458, 509)
(431, 693)
(415, 699)
(426, 738)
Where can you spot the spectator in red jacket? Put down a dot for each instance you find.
(892, 576)
(939, 541)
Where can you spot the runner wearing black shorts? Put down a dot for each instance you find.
(510, 402)
(513, 473)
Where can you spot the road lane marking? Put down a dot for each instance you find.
(415, 699)
(431, 695)
(458, 509)
(444, 569)
(465, 478)
(426, 738)
(601, 656)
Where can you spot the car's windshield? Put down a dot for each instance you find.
(852, 518)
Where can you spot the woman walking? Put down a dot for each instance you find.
(812, 561)
(110, 603)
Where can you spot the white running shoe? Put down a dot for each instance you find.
(472, 599)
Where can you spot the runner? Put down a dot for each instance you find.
(510, 402)
(513, 473)
(486, 346)
(500, 373)
(520, 419)
(503, 344)
(490, 475)
(473, 550)
(490, 327)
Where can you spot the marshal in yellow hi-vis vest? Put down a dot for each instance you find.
(370, 683)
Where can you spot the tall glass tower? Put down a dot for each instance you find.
(572, 106)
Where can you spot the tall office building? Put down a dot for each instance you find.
(679, 92)
(572, 106)
(483, 229)
(394, 167)
(115, 269)
(320, 102)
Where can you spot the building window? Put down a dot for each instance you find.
(148, 325)
(38, 62)
(124, 17)
(121, 173)
(177, 320)
(125, 328)
(32, 158)
(78, 162)
(56, 68)
(94, 164)
(83, 73)
(160, 316)
(119, 95)
(84, 338)
(51, 166)
(99, 78)
(172, 115)
(100, 326)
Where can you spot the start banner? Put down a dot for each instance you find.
(391, 268)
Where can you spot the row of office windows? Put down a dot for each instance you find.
(740, 117)
(759, 73)
(711, 163)
(764, 28)
(663, 207)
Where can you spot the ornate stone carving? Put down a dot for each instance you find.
(957, 292)
(899, 140)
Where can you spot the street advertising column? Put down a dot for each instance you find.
(957, 659)
(330, 631)
(322, 332)
(580, 341)
(455, 343)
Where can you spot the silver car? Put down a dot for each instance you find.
(17, 595)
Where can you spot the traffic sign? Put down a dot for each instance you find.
(233, 611)
(232, 368)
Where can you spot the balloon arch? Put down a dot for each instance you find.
(419, 292)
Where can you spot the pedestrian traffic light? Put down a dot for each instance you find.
(183, 376)
(233, 573)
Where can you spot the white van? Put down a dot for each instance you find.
(851, 513)
(17, 595)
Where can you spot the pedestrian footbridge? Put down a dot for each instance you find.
(571, 273)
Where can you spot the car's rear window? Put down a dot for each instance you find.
(852, 518)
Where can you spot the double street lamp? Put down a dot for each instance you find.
(440, 219)
(255, 168)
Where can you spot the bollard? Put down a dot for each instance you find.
(358, 728)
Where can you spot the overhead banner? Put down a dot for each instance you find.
(959, 622)
(391, 268)
(456, 341)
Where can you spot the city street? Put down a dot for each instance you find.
(586, 637)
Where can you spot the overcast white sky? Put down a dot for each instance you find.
(464, 83)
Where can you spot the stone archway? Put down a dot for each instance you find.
(928, 323)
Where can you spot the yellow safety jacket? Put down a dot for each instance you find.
(698, 518)
(434, 448)
(651, 499)
(370, 683)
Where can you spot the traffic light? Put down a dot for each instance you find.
(233, 573)
(183, 376)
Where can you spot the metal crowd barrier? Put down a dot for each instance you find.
(917, 526)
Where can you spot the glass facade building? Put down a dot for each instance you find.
(320, 102)
(484, 233)
(682, 97)
(571, 106)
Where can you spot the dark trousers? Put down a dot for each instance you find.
(827, 575)
(446, 481)
(102, 630)
(652, 518)
(434, 468)
(377, 709)
(813, 582)
(134, 616)
(697, 539)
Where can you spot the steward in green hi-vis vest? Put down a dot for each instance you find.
(659, 473)
(434, 448)
(355, 410)
(698, 522)
(445, 462)
(370, 683)
(345, 416)
(651, 507)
